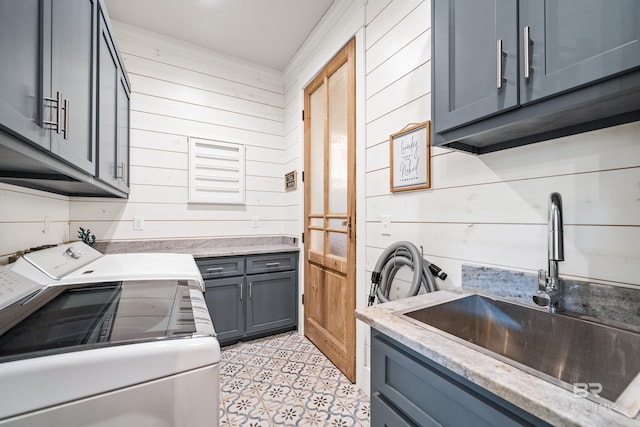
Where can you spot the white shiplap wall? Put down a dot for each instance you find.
(181, 90)
(486, 210)
(492, 209)
(22, 219)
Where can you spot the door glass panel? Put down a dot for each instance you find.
(316, 222)
(316, 242)
(338, 244)
(338, 124)
(338, 223)
(316, 117)
(316, 236)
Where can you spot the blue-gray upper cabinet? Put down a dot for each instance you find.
(113, 95)
(73, 29)
(570, 43)
(475, 37)
(21, 41)
(48, 98)
(508, 73)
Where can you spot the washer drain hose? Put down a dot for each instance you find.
(394, 257)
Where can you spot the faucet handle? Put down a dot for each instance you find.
(542, 299)
(542, 279)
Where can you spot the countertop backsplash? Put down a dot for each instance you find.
(614, 305)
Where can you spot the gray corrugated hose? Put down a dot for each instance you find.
(392, 259)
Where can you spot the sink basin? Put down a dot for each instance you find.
(555, 347)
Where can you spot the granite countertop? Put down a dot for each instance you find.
(543, 399)
(241, 250)
(205, 248)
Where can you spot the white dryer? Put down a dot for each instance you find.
(106, 340)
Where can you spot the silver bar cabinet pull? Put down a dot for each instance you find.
(272, 264)
(215, 270)
(120, 175)
(65, 131)
(240, 287)
(250, 286)
(56, 124)
(58, 111)
(527, 42)
(500, 54)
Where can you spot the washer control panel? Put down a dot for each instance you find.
(61, 260)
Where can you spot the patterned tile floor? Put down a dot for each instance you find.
(285, 380)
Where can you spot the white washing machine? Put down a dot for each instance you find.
(106, 340)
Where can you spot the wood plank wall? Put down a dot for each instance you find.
(181, 90)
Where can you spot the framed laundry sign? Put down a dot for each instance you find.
(410, 158)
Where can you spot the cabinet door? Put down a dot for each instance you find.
(107, 111)
(431, 395)
(21, 40)
(472, 77)
(383, 415)
(577, 42)
(271, 302)
(122, 165)
(72, 45)
(224, 298)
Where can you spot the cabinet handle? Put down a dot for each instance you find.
(120, 173)
(500, 54)
(65, 131)
(527, 43)
(240, 287)
(250, 286)
(272, 264)
(57, 101)
(215, 270)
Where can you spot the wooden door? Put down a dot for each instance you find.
(329, 289)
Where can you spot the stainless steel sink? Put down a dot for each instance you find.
(561, 349)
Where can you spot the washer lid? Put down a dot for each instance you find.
(65, 318)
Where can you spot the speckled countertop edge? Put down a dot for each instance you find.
(547, 401)
(205, 248)
(242, 250)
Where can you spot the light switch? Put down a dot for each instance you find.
(255, 222)
(47, 224)
(138, 223)
(385, 229)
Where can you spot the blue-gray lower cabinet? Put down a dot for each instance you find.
(272, 302)
(251, 296)
(224, 298)
(408, 389)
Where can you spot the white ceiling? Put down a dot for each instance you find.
(266, 32)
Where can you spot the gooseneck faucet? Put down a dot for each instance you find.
(549, 286)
